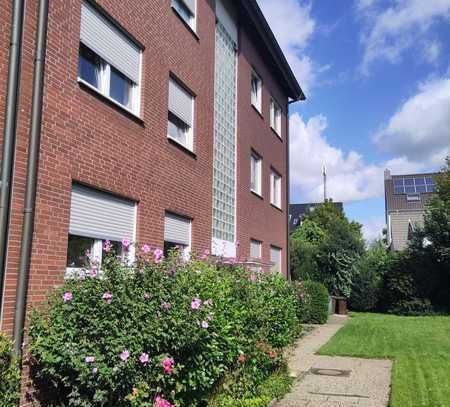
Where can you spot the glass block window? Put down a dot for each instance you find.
(224, 136)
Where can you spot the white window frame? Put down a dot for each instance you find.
(256, 100)
(193, 21)
(257, 243)
(275, 189)
(190, 133)
(104, 86)
(275, 116)
(256, 164)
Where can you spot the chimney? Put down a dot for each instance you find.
(387, 174)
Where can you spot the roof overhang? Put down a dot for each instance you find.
(253, 15)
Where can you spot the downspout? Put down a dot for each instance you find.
(9, 134)
(32, 173)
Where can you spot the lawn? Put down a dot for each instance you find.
(418, 346)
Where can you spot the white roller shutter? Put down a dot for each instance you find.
(275, 257)
(106, 40)
(100, 215)
(255, 249)
(180, 102)
(177, 229)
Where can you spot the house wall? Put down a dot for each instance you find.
(256, 217)
(399, 225)
(89, 140)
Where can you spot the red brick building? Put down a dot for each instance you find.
(163, 121)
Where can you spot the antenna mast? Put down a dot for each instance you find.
(324, 173)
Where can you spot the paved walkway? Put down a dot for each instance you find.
(331, 381)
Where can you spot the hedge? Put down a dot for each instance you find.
(160, 333)
(312, 302)
(9, 375)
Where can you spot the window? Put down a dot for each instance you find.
(255, 173)
(275, 257)
(177, 234)
(275, 116)
(90, 226)
(186, 10)
(180, 116)
(256, 97)
(275, 189)
(109, 61)
(255, 249)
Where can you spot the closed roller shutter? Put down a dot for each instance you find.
(106, 40)
(177, 229)
(100, 215)
(255, 249)
(275, 257)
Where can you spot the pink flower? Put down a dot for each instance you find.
(107, 297)
(158, 255)
(167, 365)
(107, 246)
(124, 355)
(94, 271)
(67, 297)
(272, 354)
(209, 317)
(252, 277)
(144, 358)
(196, 303)
(242, 358)
(166, 305)
(89, 359)
(160, 402)
(135, 391)
(204, 324)
(146, 248)
(237, 243)
(126, 243)
(94, 370)
(147, 296)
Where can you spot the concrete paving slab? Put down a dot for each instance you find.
(362, 382)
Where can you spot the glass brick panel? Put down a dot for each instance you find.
(224, 135)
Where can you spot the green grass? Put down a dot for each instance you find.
(418, 346)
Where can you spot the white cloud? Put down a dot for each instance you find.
(373, 228)
(394, 29)
(293, 27)
(431, 51)
(349, 177)
(420, 129)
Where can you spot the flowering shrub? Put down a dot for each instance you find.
(9, 375)
(159, 332)
(312, 302)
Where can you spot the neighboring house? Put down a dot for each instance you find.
(164, 122)
(297, 213)
(405, 200)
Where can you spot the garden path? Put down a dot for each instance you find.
(329, 381)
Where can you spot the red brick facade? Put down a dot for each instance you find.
(87, 139)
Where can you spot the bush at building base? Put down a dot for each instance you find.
(159, 333)
(312, 300)
(9, 375)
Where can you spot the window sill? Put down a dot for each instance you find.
(276, 133)
(186, 150)
(257, 195)
(257, 111)
(276, 207)
(95, 92)
(190, 29)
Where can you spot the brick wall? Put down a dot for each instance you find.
(86, 139)
(256, 217)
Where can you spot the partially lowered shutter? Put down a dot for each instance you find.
(106, 40)
(100, 215)
(177, 229)
(180, 102)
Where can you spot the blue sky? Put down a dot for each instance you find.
(376, 74)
